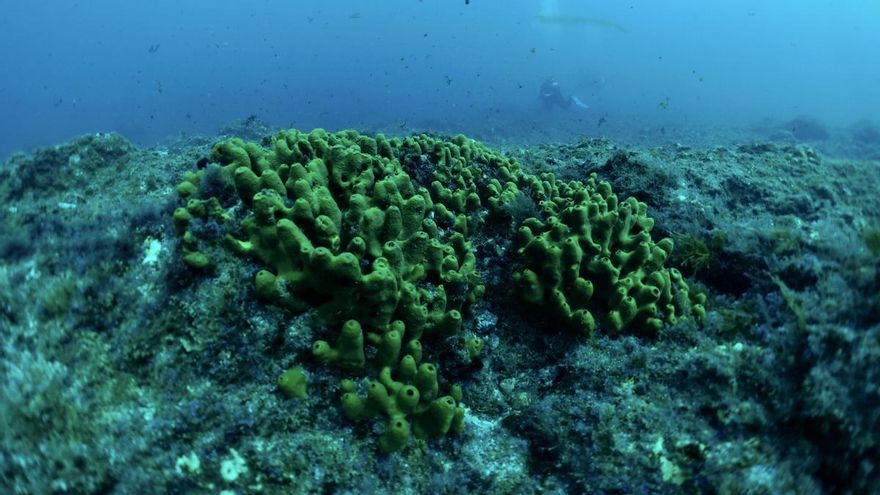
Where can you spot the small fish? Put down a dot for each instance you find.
(154, 48)
(664, 104)
(601, 121)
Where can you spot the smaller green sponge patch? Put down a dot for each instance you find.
(594, 254)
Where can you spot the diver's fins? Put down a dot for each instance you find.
(577, 101)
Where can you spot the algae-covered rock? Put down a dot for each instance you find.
(73, 166)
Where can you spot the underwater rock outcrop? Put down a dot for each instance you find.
(376, 235)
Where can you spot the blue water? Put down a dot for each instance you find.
(154, 69)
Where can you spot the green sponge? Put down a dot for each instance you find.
(375, 235)
(294, 383)
(349, 349)
(594, 255)
(411, 396)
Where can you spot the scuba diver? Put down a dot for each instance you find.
(551, 96)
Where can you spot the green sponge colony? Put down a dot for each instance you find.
(375, 235)
(594, 254)
(340, 227)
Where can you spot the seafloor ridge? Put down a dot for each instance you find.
(140, 356)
